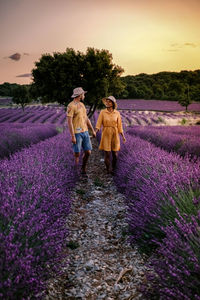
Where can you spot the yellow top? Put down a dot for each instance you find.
(79, 116)
(112, 126)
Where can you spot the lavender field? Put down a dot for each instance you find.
(36, 182)
(35, 200)
(56, 115)
(33, 115)
(182, 140)
(158, 172)
(163, 198)
(155, 105)
(16, 136)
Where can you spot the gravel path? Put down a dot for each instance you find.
(102, 263)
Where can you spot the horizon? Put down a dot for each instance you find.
(124, 75)
(143, 37)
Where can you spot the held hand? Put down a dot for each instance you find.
(124, 139)
(94, 134)
(73, 139)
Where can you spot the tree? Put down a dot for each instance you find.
(162, 85)
(157, 91)
(176, 86)
(21, 96)
(6, 89)
(185, 100)
(55, 77)
(195, 92)
(100, 77)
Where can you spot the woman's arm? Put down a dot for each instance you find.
(124, 139)
(120, 128)
(99, 122)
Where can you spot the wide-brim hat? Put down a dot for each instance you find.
(111, 98)
(77, 92)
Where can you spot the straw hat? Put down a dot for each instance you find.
(77, 92)
(111, 98)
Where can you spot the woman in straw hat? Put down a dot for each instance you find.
(110, 119)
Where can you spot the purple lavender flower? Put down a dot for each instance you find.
(160, 105)
(15, 137)
(35, 201)
(196, 201)
(160, 188)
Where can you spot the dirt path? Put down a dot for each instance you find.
(102, 263)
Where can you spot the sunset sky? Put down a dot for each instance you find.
(144, 36)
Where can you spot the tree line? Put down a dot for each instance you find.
(162, 86)
(55, 76)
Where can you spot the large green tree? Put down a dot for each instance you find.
(55, 76)
(100, 77)
(21, 95)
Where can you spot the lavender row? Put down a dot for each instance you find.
(27, 109)
(182, 140)
(35, 200)
(5, 101)
(141, 104)
(162, 192)
(15, 114)
(15, 138)
(193, 131)
(131, 118)
(57, 115)
(28, 117)
(176, 271)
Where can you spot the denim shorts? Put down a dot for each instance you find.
(82, 142)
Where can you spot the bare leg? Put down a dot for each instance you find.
(114, 160)
(85, 160)
(107, 160)
(77, 155)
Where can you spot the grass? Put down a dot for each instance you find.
(161, 120)
(80, 192)
(73, 245)
(98, 182)
(59, 129)
(183, 121)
